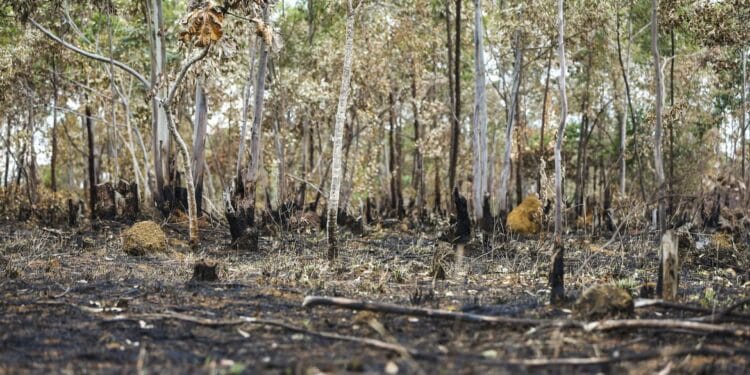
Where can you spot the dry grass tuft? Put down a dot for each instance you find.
(525, 217)
(144, 238)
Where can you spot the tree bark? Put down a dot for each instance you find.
(91, 167)
(480, 116)
(633, 121)
(333, 196)
(160, 131)
(581, 165)
(505, 172)
(53, 157)
(418, 158)
(743, 108)
(456, 116)
(658, 158)
(199, 143)
(557, 275)
(659, 86)
(544, 121)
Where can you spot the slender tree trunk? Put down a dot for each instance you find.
(670, 185)
(456, 118)
(557, 275)
(310, 21)
(113, 102)
(166, 105)
(333, 196)
(53, 157)
(505, 172)
(743, 108)
(199, 143)
(633, 121)
(580, 192)
(418, 158)
(281, 168)
(160, 131)
(7, 152)
(245, 107)
(480, 115)
(91, 167)
(544, 121)
(392, 156)
(659, 83)
(519, 156)
(658, 158)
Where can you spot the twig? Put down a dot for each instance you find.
(347, 303)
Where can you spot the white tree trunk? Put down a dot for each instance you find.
(480, 115)
(658, 81)
(333, 195)
(160, 131)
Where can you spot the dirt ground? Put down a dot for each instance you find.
(74, 302)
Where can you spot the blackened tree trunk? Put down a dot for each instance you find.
(456, 115)
(7, 151)
(91, 167)
(557, 275)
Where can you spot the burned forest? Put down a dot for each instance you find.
(360, 186)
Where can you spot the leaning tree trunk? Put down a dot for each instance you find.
(557, 283)
(505, 172)
(658, 158)
(480, 116)
(333, 196)
(199, 143)
(166, 104)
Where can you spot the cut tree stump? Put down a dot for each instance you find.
(670, 265)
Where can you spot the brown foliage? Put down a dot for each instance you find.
(526, 217)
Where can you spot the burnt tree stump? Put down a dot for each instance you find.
(105, 207)
(128, 208)
(205, 272)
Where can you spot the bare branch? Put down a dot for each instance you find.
(91, 55)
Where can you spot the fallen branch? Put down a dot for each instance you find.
(311, 301)
(712, 317)
(397, 348)
(696, 327)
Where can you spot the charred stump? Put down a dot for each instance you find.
(463, 222)
(75, 207)
(557, 275)
(105, 207)
(205, 272)
(128, 204)
(240, 214)
(487, 223)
